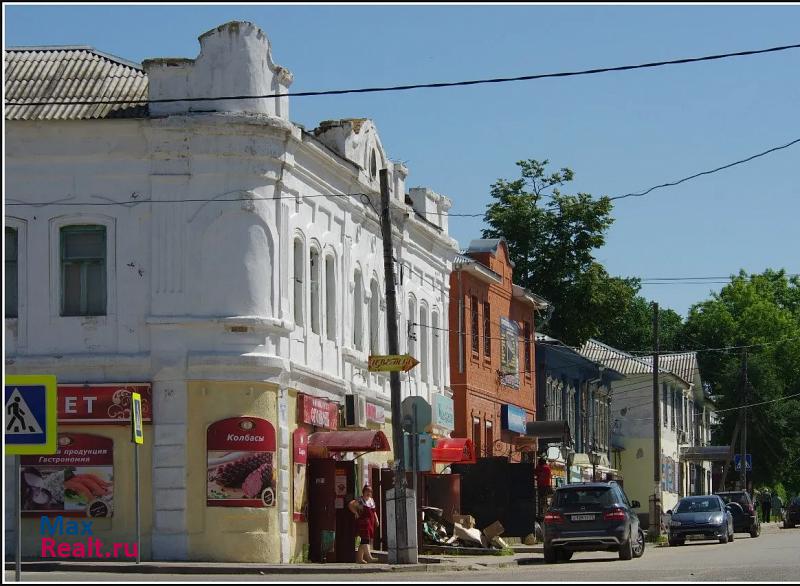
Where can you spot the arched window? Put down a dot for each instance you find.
(412, 330)
(436, 348)
(358, 312)
(374, 319)
(299, 270)
(315, 268)
(423, 343)
(330, 298)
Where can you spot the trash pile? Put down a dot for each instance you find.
(460, 532)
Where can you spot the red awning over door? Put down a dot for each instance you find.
(350, 441)
(452, 450)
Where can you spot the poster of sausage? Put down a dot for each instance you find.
(76, 481)
(241, 463)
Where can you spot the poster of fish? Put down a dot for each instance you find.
(76, 481)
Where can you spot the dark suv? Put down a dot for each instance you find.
(592, 516)
(745, 519)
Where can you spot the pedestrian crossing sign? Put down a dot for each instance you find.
(30, 415)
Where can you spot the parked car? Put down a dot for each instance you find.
(791, 516)
(707, 516)
(745, 519)
(592, 516)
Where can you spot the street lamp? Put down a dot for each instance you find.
(566, 453)
(594, 458)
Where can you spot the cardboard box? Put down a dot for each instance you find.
(494, 530)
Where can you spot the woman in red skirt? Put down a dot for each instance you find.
(366, 523)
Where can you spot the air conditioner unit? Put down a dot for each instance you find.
(355, 411)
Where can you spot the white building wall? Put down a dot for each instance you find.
(181, 275)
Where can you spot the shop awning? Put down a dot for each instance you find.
(705, 454)
(350, 441)
(451, 450)
(548, 430)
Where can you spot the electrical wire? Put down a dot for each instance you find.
(407, 87)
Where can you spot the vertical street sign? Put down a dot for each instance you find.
(137, 438)
(29, 424)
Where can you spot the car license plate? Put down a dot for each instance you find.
(583, 517)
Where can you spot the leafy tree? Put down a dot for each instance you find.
(755, 309)
(551, 239)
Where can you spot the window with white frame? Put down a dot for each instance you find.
(83, 270)
(374, 318)
(358, 311)
(436, 348)
(315, 309)
(423, 343)
(330, 298)
(12, 275)
(299, 271)
(411, 329)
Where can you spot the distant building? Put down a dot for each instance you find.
(492, 360)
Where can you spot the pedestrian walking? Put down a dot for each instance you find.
(766, 505)
(366, 522)
(544, 484)
(777, 507)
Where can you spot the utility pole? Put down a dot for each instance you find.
(745, 388)
(655, 522)
(403, 551)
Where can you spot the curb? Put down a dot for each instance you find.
(155, 568)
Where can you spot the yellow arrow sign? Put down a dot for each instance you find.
(392, 363)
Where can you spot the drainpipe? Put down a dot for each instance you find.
(460, 325)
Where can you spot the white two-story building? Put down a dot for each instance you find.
(222, 256)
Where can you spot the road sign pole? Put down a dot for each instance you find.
(138, 505)
(18, 520)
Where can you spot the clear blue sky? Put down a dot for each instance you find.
(619, 132)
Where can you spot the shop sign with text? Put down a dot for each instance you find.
(241, 463)
(102, 404)
(318, 412)
(76, 481)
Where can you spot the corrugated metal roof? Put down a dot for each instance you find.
(684, 365)
(484, 245)
(37, 74)
(624, 362)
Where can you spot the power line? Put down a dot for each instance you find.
(135, 201)
(757, 404)
(709, 172)
(397, 88)
(722, 349)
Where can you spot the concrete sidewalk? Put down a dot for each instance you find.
(427, 563)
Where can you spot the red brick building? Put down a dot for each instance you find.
(492, 359)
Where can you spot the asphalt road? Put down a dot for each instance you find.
(773, 557)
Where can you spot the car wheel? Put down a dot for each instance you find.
(638, 545)
(730, 537)
(725, 539)
(550, 555)
(755, 531)
(626, 550)
(565, 555)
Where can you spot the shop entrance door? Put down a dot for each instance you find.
(345, 521)
(321, 509)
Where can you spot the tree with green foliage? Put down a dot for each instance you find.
(761, 309)
(552, 237)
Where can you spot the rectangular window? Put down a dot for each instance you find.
(476, 435)
(12, 280)
(436, 348)
(475, 342)
(664, 405)
(672, 408)
(489, 439)
(330, 298)
(423, 344)
(83, 270)
(526, 329)
(487, 330)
